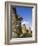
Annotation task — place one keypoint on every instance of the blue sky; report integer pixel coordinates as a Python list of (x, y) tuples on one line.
[(26, 13)]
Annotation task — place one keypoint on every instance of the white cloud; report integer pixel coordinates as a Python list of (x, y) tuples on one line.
[(26, 23)]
